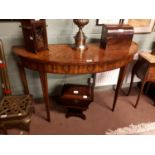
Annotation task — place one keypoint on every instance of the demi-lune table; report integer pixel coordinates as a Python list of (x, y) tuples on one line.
[(63, 59)]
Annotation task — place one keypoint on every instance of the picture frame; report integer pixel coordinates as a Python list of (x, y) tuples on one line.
[(108, 21), (10, 20), (141, 25)]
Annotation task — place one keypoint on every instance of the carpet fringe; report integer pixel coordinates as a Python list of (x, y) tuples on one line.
[(133, 129)]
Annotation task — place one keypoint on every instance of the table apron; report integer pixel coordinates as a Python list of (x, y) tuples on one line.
[(74, 68)]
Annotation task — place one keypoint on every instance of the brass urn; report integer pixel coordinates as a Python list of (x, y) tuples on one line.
[(80, 38)]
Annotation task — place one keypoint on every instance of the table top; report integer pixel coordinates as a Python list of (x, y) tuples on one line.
[(63, 59), (148, 56), (65, 54)]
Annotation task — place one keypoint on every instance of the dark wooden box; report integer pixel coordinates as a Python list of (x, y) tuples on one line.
[(35, 35), (76, 98), (117, 37)]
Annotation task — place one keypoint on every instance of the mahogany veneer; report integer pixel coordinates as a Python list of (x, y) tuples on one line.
[(76, 98), (63, 59)]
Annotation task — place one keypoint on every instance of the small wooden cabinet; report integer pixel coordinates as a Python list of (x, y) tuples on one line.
[(76, 98)]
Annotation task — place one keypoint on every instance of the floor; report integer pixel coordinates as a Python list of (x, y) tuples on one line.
[(99, 116)]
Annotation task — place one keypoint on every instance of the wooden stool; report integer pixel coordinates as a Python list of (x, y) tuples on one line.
[(15, 112), (145, 70)]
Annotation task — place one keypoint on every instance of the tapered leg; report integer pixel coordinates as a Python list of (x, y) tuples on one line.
[(119, 84), (43, 78), (140, 92), (132, 77), (94, 79), (23, 77), (134, 70)]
